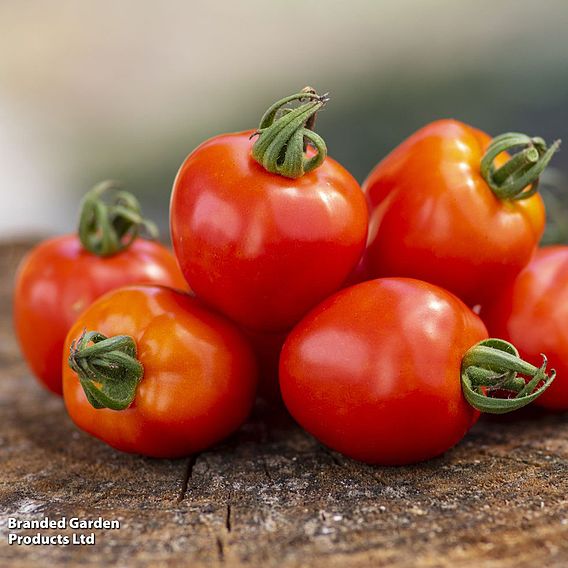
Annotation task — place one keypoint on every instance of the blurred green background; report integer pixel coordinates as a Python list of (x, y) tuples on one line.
[(98, 89)]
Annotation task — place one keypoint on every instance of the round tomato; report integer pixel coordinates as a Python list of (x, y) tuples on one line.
[(157, 373), (532, 312), (59, 278), (257, 241), (374, 371), (448, 206)]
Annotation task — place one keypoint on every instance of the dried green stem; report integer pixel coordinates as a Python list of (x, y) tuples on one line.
[(110, 225), (491, 366)]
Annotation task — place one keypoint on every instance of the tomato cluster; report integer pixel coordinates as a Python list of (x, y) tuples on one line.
[(367, 308)]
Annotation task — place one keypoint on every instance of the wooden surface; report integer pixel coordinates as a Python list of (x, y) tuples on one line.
[(272, 496)]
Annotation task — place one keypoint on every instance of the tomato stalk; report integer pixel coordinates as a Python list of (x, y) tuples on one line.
[(108, 369), (492, 365), (108, 228), (283, 135), (518, 178)]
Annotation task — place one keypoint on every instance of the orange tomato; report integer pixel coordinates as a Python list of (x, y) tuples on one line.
[(199, 374), (435, 216)]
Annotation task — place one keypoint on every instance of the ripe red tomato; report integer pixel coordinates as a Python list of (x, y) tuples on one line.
[(532, 312), (59, 278), (198, 375), (442, 213), (260, 247), (374, 371)]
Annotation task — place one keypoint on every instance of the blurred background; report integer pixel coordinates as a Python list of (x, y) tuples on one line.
[(104, 89)]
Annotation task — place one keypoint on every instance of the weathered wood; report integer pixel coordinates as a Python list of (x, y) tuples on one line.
[(272, 496)]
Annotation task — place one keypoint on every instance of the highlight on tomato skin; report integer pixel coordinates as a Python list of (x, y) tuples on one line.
[(450, 206), (182, 379), (263, 239), (532, 313), (394, 371), (60, 278)]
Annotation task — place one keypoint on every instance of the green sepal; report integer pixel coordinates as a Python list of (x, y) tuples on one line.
[(108, 370), (492, 366), (284, 133), (519, 177), (111, 220)]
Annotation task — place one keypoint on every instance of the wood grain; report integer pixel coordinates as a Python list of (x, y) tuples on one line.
[(272, 496)]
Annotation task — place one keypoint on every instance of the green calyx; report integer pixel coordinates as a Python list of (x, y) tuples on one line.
[(284, 133), (111, 219), (490, 367), (519, 177), (108, 369)]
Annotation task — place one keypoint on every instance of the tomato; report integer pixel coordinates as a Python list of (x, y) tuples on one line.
[(374, 371), (447, 207), (59, 278), (532, 312), (198, 373), (261, 247)]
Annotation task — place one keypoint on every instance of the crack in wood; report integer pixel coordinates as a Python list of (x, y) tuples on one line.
[(228, 518), (220, 550), (188, 475), (220, 538)]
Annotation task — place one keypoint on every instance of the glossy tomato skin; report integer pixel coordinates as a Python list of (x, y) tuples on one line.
[(199, 379), (532, 313), (374, 371), (433, 217), (259, 247), (58, 279)]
